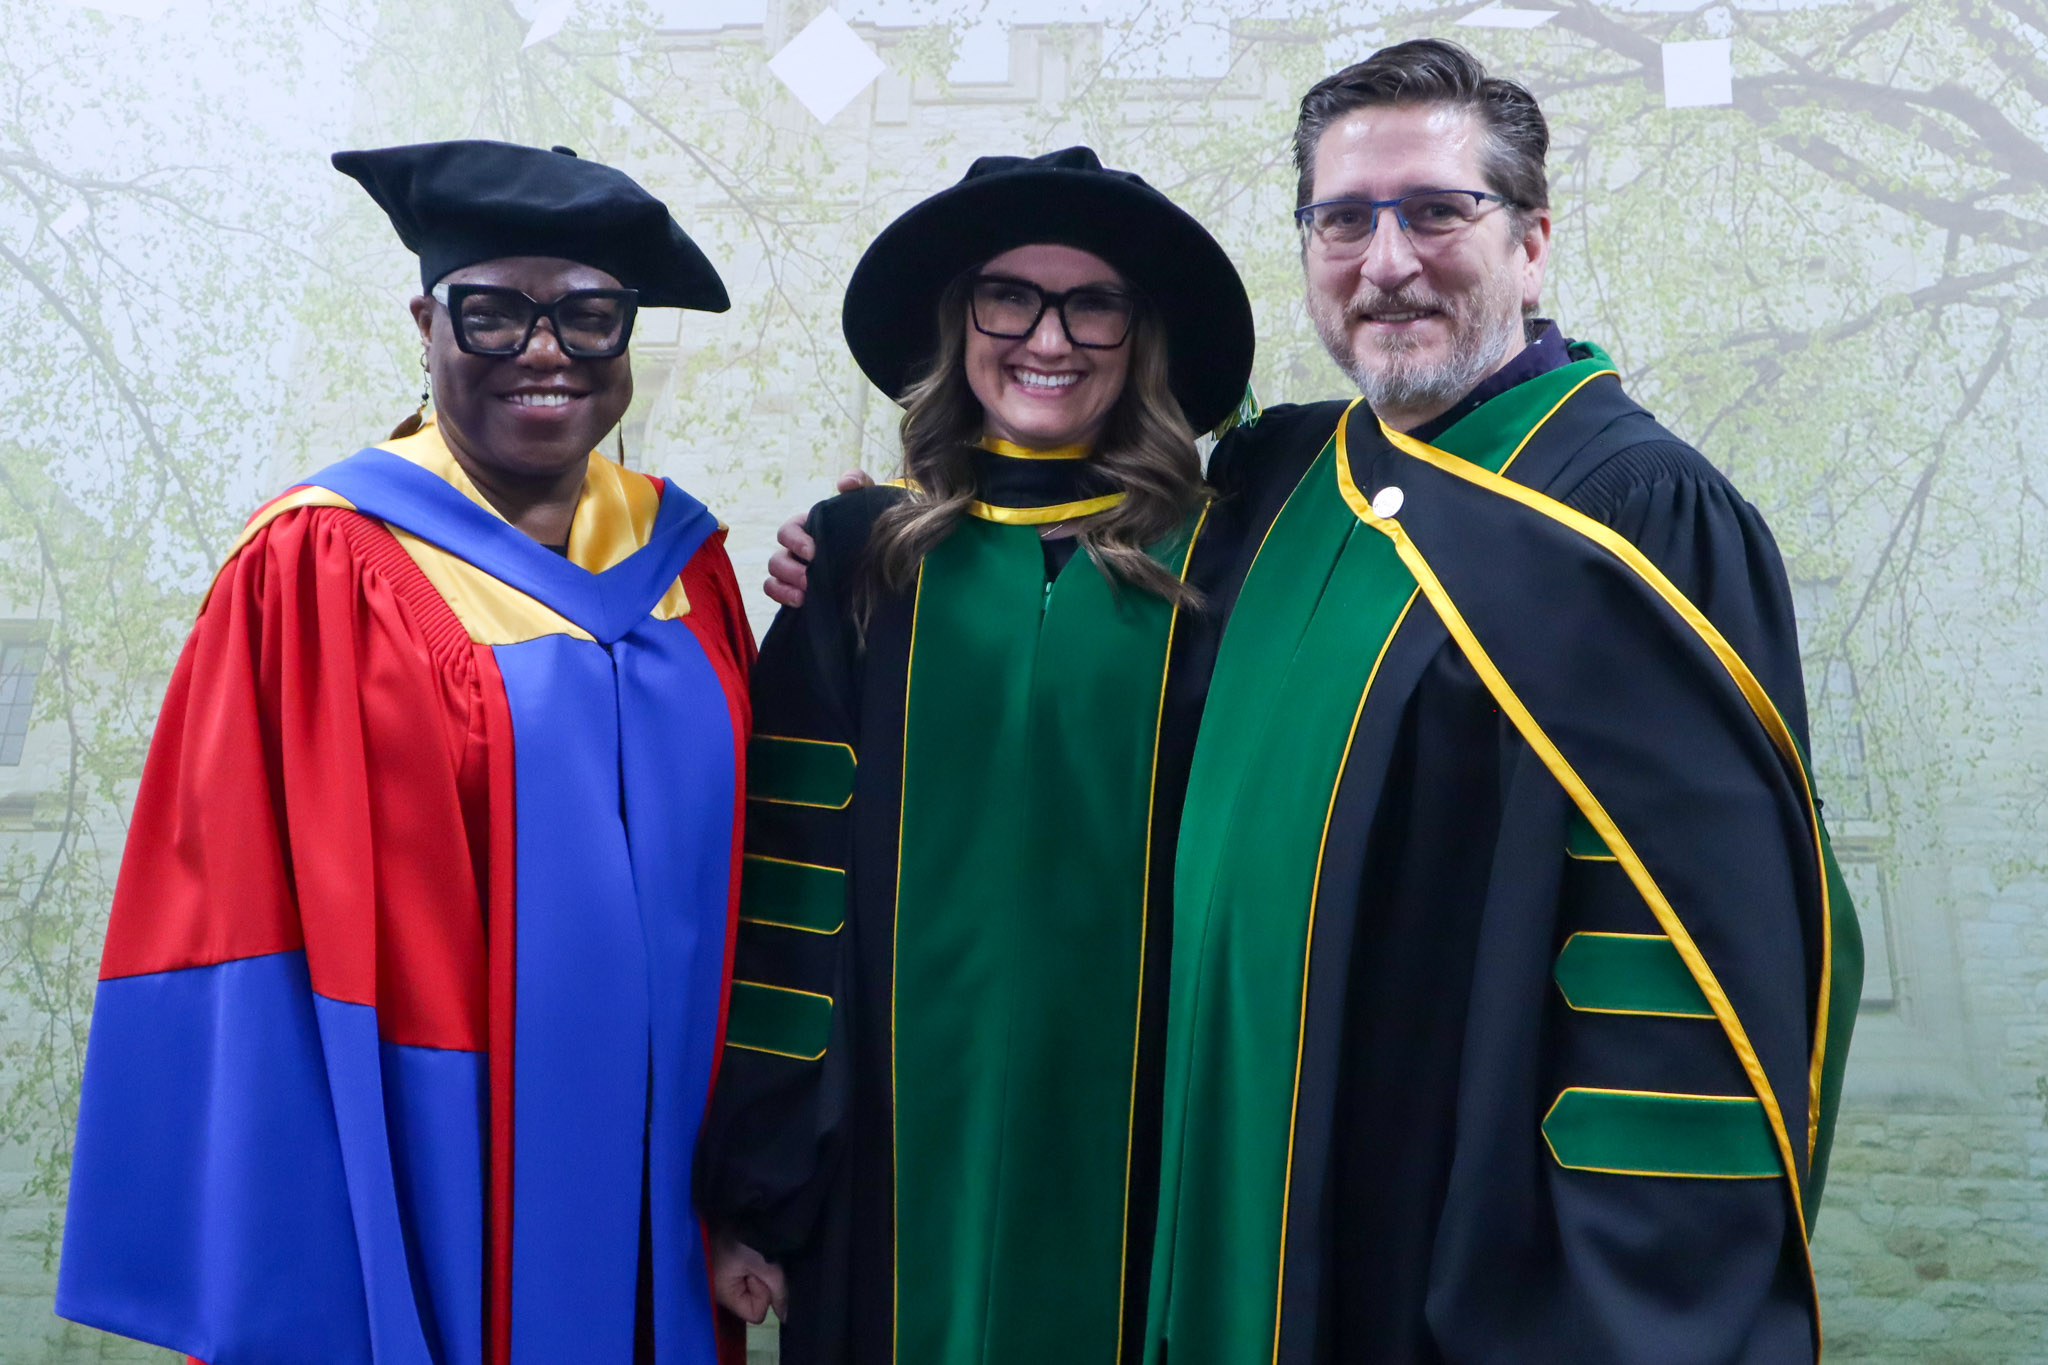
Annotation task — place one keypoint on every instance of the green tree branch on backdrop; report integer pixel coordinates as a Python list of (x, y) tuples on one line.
[(1836, 286)]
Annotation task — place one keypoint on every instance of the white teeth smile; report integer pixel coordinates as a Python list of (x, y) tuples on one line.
[(540, 400), (1046, 381)]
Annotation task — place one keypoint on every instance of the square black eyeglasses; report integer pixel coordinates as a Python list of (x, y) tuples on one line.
[(1427, 215), (1094, 317), (589, 324)]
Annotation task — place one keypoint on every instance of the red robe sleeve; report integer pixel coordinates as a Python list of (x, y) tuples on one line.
[(322, 656), (268, 888)]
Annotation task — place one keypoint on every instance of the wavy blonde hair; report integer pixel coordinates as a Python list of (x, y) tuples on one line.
[(1146, 451)]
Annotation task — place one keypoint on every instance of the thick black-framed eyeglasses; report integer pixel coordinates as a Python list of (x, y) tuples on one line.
[(490, 319), (1427, 216), (1094, 317)]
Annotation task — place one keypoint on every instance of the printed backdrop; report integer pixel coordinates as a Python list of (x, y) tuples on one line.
[(1814, 235)]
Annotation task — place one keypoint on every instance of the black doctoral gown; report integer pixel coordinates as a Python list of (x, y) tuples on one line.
[(1491, 1039)]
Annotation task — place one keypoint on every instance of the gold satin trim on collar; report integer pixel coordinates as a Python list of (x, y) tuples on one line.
[(290, 501), (1588, 805), (1760, 703), (1040, 516), (1010, 450), (615, 510), (1026, 516), (1437, 456), (492, 612), (1532, 732), (1360, 504), (614, 516), (1582, 796)]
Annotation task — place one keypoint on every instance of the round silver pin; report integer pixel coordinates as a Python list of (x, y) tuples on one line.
[(1387, 502)]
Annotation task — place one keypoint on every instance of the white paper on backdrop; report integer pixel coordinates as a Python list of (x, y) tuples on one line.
[(1493, 16), (826, 65), (548, 20), (1699, 74)]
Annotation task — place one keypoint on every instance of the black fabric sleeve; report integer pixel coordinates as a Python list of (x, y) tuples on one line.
[(1673, 1268), (777, 1122), (1460, 1235), (1690, 522)]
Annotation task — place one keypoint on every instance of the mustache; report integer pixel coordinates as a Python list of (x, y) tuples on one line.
[(1404, 301)]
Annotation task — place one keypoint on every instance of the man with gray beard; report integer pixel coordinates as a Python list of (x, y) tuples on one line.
[(1511, 976)]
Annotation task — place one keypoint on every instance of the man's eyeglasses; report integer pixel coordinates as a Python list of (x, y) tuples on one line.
[(1092, 316), (589, 324), (1344, 227)]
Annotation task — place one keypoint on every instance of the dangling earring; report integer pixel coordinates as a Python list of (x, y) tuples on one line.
[(412, 424), (622, 445)]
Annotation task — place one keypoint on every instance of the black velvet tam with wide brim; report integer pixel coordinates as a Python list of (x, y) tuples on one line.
[(459, 203), (1065, 198)]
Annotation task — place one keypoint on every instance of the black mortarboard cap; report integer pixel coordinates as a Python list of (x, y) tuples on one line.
[(458, 203)]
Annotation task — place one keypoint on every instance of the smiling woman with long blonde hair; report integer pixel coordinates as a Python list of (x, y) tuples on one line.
[(937, 1109)]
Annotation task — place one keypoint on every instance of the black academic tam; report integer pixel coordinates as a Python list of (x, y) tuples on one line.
[(1067, 198), (458, 203)]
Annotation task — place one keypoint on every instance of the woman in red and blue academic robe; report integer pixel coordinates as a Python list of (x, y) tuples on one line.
[(414, 984)]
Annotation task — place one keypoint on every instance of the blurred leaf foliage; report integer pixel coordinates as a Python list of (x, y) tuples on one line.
[(1836, 287), (141, 237)]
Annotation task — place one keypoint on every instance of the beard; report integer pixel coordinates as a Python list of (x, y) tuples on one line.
[(1394, 373)]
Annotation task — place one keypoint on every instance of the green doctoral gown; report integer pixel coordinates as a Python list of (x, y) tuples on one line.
[(938, 1102)]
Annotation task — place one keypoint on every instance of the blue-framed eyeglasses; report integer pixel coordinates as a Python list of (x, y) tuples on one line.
[(1345, 226)]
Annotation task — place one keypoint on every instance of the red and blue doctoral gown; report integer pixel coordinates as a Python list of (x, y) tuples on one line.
[(416, 972)]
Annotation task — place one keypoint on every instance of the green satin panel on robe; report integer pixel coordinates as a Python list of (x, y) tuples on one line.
[(1319, 605), (1845, 996), (1031, 734), (1321, 600)]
